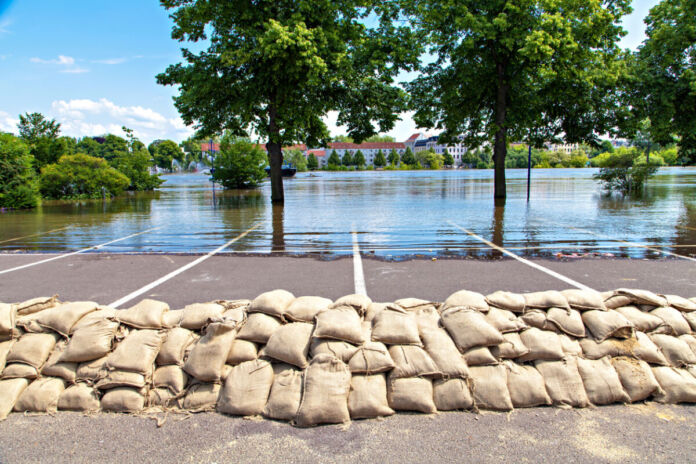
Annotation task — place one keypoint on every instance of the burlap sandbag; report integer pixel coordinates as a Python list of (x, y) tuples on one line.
[(427, 318), (689, 340), (444, 353), (636, 377), (415, 304), (584, 300), (40, 396), (20, 371), (162, 398), (242, 351), (246, 388), (4, 351), (411, 394), (259, 327), (677, 352), (602, 383), (539, 319), (673, 319), (526, 386), (80, 397), (641, 297), (29, 324), (691, 319), (341, 323), (359, 303), (342, 350), (172, 318), (469, 328), (374, 309), (286, 393), (542, 344), (10, 390), (201, 397), (92, 371), (173, 350), (32, 349), (36, 304), (147, 314), (682, 304), (368, 397), (324, 392), (605, 324), (504, 321), (645, 322), (273, 303), (198, 315), (8, 318), (208, 356), (290, 344), (137, 352), (55, 368), (480, 356), (123, 399), (104, 312), (452, 394), (506, 300), (568, 322), (115, 379), (511, 348), (489, 386), (563, 382), (466, 299), (640, 347), (676, 385), (91, 342), (395, 326), (241, 304), (570, 345), (305, 308), (62, 318), (411, 361), (545, 300), (172, 377), (371, 358)]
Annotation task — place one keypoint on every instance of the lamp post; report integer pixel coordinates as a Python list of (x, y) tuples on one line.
[(529, 170)]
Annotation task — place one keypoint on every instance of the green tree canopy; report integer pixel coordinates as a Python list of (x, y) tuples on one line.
[(18, 186), (347, 159), (276, 67), (297, 159), (380, 138), (81, 176), (312, 162), (408, 157), (359, 158), (380, 160), (164, 152), (532, 70), (447, 159), (33, 126), (393, 157), (342, 138), (239, 164), (334, 159)]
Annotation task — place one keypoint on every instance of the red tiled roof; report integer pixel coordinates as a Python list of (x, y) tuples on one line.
[(317, 152), (367, 146), (206, 146), (216, 146), (413, 137)]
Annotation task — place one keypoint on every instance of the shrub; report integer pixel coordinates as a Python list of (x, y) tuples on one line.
[(81, 176), (625, 170), (18, 188), (297, 159), (312, 162), (239, 164), (136, 166)]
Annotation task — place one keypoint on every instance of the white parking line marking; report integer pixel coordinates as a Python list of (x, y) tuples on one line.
[(34, 235), (524, 261), (182, 269), (358, 274), (96, 247)]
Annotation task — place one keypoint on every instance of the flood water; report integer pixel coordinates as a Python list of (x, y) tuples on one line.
[(395, 214)]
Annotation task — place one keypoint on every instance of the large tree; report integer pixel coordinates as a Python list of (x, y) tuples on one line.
[(33, 126), (274, 68), (534, 70)]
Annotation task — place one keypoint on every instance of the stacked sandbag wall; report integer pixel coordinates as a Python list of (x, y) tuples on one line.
[(310, 360)]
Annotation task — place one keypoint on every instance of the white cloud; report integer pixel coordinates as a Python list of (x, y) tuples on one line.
[(110, 61), (62, 60), (75, 70), (402, 130), (8, 123)]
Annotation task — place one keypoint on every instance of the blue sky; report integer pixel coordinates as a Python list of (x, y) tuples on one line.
[(92, 66)]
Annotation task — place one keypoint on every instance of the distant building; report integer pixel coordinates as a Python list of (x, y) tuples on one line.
[(320, 155), (457, 150), (411, 141), (368, 149), (567, 148)]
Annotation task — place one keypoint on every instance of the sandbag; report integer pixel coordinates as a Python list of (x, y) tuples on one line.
[(645, 322), (411, 394), (162, 398), (480, 356), (359, 303), (258, 328), (305, 308), (325, 392), (682, 304), (172, 318), (584, 300), (36, 304), (40, 396), (395, 326), (636, 377), (342, 350), (506, 300), (415, 304), (198, 315), (20, 371), (208, 356), (4, 351), (452, 394), (341, 323), (290, 344), (27, 324), (605, 324), (545, 300), (137, 352), (371, 358), (442, 350), (676, 385), (102, 313), (691, 319), (8, 318), (171, 377), (10, 390), (568, 322), (489, 386), (373, 309), (147, 314), (469, 328), (241, 351), (641, 347), (201, 397), (91, 342), (641, 297), (542, 344), (62, 318), (689, 340), (55, 368), (273, 303), (427, 318), (368, 397), (563, 382), (123, 400), (91, 371), (173, 350), (570, 345), (80, 397), (677, 352), (511, 348), (115, 379), (526, 386), (286, 393), (32, 349), (246, 388), (539, 319), (466, 299), (673, 319), (411, 361), (504, 321), (602, 383)]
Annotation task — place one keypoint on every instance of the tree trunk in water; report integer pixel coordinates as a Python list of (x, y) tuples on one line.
[(275, 158), (500, 146)]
